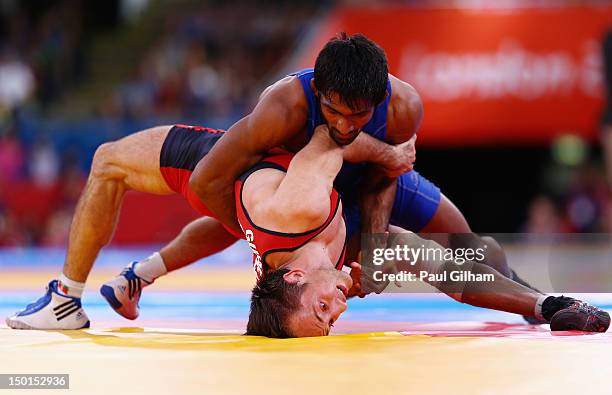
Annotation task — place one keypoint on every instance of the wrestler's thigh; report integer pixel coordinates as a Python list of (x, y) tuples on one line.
[(135, 160)]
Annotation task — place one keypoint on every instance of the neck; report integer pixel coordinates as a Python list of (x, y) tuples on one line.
[(312, 256)]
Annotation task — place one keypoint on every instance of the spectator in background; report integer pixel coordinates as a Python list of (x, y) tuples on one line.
[(582, 204), (11, 156), (44, 164), (73, 178), (17, 82), (606, 217), (56, 54), (12, 232), (204, 63), (586, 200), (208, 61), (57, 228), (543, 217)]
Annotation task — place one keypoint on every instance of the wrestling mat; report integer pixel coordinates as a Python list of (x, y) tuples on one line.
[(188, 341)]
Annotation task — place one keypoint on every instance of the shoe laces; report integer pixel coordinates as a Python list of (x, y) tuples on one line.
[(29, 306), (134, 282)]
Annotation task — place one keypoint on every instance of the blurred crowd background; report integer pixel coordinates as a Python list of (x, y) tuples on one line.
[(74, 74)]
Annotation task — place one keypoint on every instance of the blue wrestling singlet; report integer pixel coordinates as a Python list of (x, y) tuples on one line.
[(416, 199)]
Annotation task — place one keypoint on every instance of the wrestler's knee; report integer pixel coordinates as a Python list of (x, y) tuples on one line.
[(495, 256), (104, 165), (491, 243)]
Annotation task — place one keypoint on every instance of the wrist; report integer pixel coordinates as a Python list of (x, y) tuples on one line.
[(388, 157)]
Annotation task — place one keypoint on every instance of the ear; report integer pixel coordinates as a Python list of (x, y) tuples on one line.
[(295, 276), (313, 87)]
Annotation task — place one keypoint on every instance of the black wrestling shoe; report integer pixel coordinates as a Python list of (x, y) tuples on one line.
[(580, 316), (534, 321)]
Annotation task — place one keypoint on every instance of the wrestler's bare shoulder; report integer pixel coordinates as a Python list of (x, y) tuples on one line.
[(405, 110), (287, 96), (287, 91)]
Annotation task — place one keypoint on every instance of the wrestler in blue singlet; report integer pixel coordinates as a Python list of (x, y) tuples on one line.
[(416, 199)]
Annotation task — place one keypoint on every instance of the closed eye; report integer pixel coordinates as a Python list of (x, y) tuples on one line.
[(332, 110)]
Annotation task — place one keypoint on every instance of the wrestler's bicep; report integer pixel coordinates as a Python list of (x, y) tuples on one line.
[(246, 142)]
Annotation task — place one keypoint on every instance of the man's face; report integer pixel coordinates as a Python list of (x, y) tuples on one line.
[(344, 122), (322, 302)]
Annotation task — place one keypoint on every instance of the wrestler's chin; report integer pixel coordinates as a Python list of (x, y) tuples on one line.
[(343, 140)]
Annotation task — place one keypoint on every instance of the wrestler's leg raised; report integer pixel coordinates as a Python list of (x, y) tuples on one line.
[(131, 163)]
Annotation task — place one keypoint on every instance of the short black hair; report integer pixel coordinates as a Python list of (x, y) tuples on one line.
[(354, 67), (272, 301)]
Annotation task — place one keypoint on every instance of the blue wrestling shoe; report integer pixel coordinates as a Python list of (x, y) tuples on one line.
[(123, 292), (52, 311)]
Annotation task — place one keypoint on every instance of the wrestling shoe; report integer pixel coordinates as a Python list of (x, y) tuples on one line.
[(123, 292), (52, 311), (580, 316)]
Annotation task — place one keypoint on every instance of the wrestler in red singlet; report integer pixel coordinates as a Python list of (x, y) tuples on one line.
[(182, 150)]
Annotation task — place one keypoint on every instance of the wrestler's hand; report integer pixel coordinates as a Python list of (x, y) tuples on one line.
[(363, 282), (402, 158), (370, 280), (368, 284), (356, 276)]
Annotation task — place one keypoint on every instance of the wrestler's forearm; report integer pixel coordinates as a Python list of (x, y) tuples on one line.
[(366, 148), (376, 201)]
